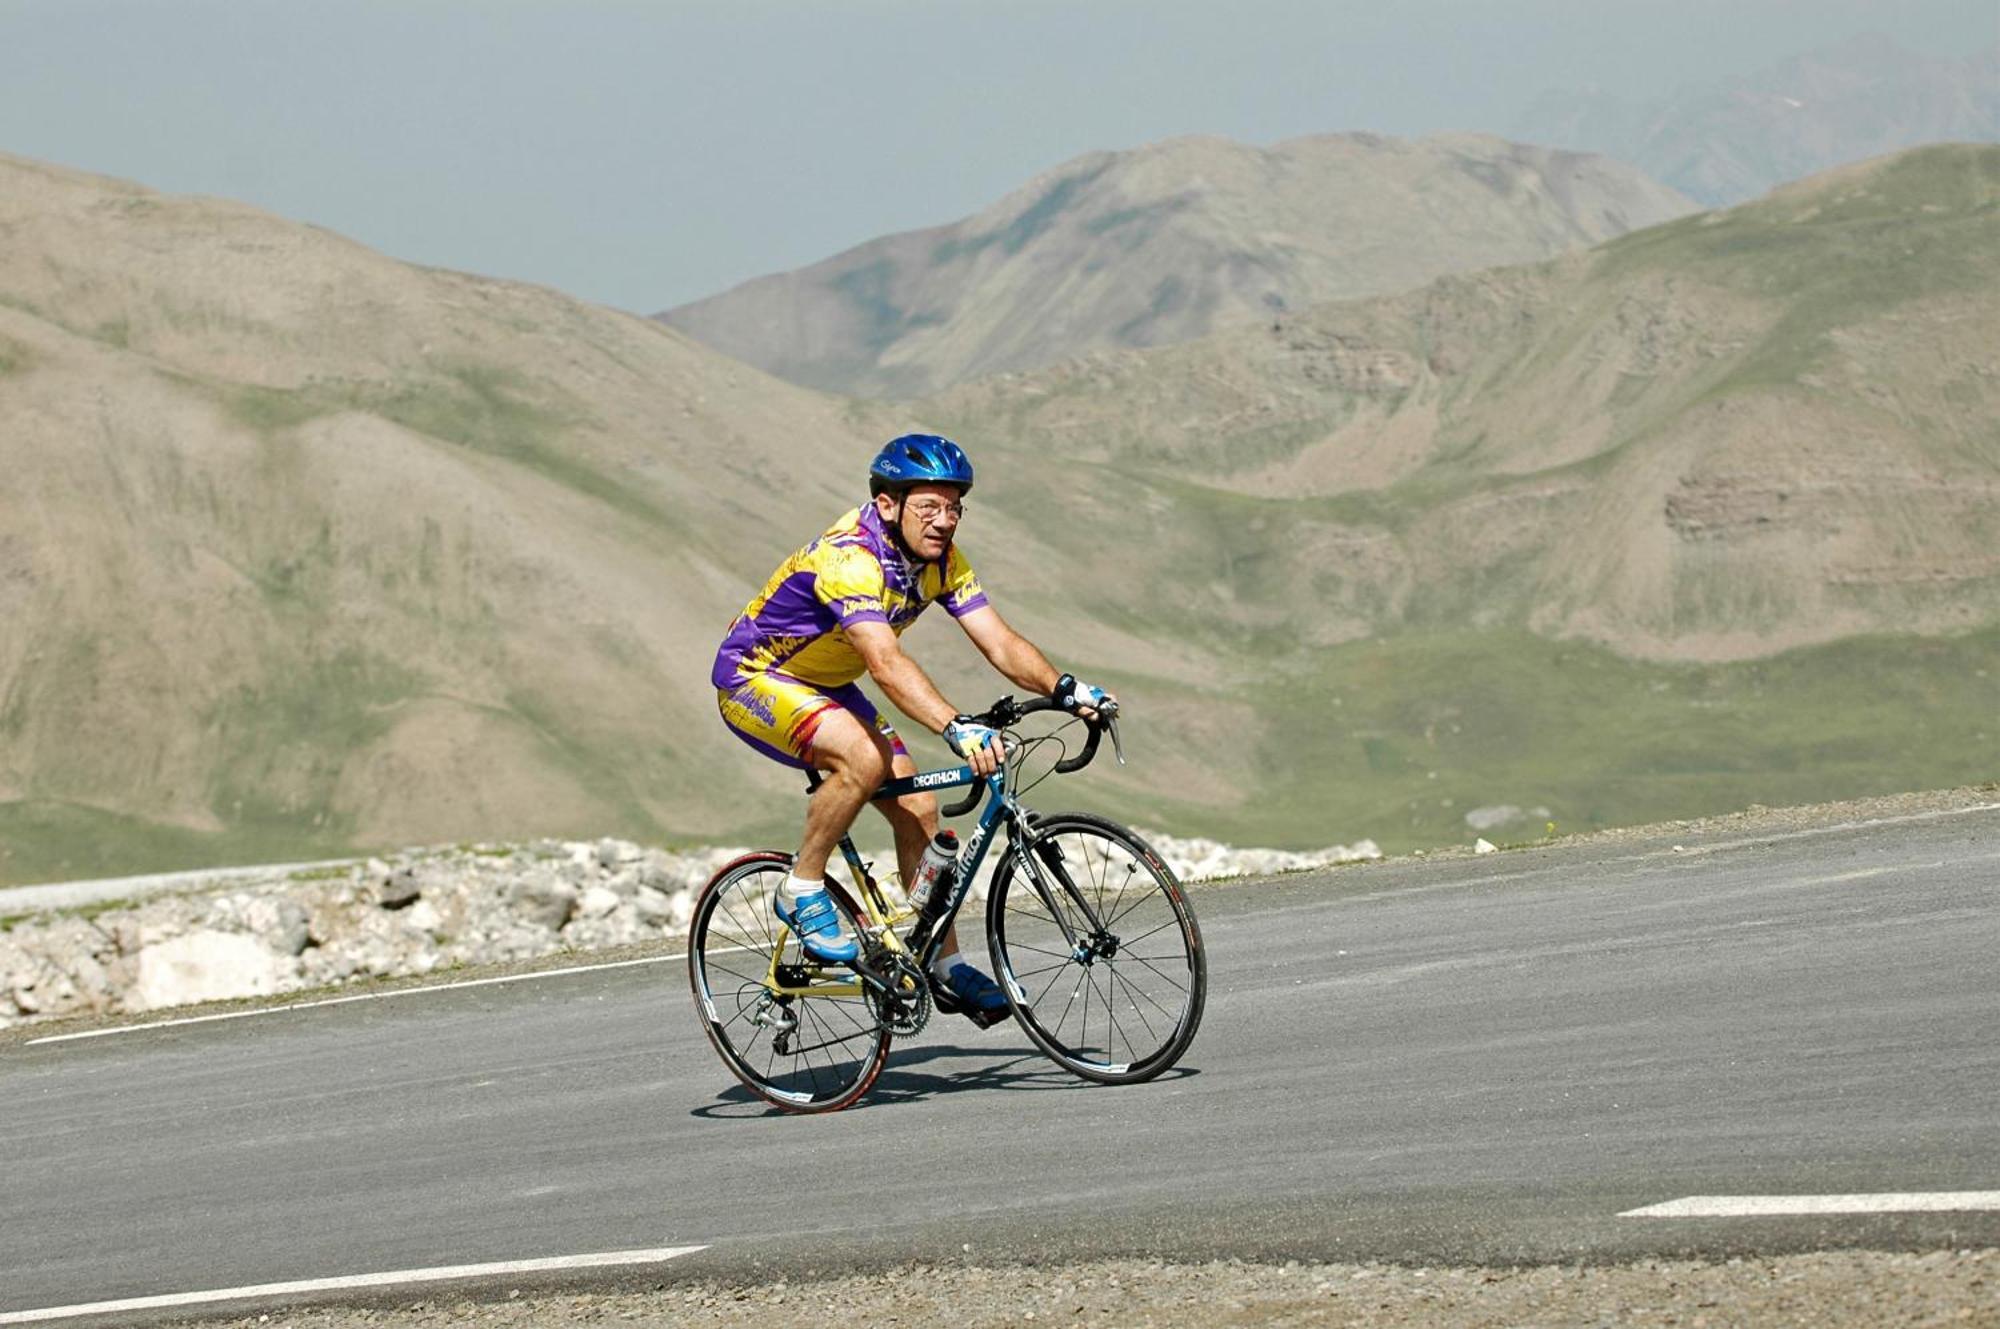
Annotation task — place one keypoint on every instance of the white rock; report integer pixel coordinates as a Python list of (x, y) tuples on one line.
[(1484, 846), (202, 966), (597, 902), (1201, 859), (423, 917)]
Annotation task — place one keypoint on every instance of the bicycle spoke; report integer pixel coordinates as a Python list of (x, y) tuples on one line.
[(1067, 1006), (1158, 1005), (1153, 931), (1088, 989), (1036, 1001), (1064, 956), (1150, 1031), (1139, 900), (1165, 977), (1112, 1029), (1043, 969), (753, 978)]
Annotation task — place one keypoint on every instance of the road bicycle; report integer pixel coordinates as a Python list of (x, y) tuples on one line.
[(1091, 938)]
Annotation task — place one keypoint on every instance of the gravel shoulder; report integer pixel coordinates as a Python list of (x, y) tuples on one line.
[(1955, 1288)]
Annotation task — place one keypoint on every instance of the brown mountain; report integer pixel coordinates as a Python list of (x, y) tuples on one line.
[(302, 547), (1164, 244)]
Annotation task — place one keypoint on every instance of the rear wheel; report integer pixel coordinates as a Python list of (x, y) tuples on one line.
[(1098, 950), (798, 1034)]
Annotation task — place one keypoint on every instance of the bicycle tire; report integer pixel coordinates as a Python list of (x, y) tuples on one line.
[(731, 940), (1156, 967)]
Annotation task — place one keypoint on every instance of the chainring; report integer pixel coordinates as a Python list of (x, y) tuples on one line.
[(909, 1009)]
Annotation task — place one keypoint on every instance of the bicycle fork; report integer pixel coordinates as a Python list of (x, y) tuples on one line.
[(1098, 944)]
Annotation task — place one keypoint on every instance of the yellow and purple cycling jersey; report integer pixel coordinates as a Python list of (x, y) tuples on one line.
[(787, 657)]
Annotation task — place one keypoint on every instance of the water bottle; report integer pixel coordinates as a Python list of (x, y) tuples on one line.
[(937, 868)]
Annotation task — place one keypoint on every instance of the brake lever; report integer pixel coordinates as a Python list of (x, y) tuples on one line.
[(1117, 744)]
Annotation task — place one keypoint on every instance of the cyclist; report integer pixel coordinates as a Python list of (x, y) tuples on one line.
[(785, 679)]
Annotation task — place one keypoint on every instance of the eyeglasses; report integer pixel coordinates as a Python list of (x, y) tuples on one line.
[(928, 510)]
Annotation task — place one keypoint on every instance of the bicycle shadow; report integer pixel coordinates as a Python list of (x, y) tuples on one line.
[(901, 1082)]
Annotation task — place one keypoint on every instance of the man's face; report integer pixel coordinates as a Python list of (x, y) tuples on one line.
[(930, 516)]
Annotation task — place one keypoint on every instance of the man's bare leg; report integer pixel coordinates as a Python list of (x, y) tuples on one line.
[(914, 819), (855, 759)]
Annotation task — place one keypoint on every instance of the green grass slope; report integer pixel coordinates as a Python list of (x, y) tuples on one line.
[(1165, 243)]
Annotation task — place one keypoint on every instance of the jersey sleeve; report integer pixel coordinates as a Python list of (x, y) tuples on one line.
[(849, 582), (962, 593)]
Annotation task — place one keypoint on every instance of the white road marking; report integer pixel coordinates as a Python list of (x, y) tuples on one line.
[(1752, 1206), (441, 1273), (1864, 874), (364, 996)]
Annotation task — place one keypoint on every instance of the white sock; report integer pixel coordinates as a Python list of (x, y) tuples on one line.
[(942, 965), (796, 886)]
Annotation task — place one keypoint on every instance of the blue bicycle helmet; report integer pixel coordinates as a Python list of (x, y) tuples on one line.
[(916, 459)]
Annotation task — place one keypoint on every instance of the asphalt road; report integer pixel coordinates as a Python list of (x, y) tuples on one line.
[(1476, 1060)]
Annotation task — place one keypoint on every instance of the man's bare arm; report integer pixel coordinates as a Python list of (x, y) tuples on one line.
[(1019, 659), (900, 677), (913, 693)]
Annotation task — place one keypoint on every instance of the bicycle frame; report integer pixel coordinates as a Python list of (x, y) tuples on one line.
[(924, 942)]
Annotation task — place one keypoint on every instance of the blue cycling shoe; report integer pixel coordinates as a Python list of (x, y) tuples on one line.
[(817, 924), (972, 994)]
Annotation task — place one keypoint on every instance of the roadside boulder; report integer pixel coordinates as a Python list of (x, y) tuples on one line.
[(597, 902), (400, 889), (545, 901), (204, 966)]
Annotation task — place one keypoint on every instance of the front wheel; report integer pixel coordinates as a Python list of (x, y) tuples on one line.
[(1097, 949), (799, 1034)]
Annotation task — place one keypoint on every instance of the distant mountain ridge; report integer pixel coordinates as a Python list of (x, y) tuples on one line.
[(1164, 244), (1731, 140), (1730, 435), (303, 550)]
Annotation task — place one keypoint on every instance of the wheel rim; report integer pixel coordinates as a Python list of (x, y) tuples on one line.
[(1120, 1001), (805, 1053)]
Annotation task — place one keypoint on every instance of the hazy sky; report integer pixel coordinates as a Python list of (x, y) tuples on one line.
[(643, 154)]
